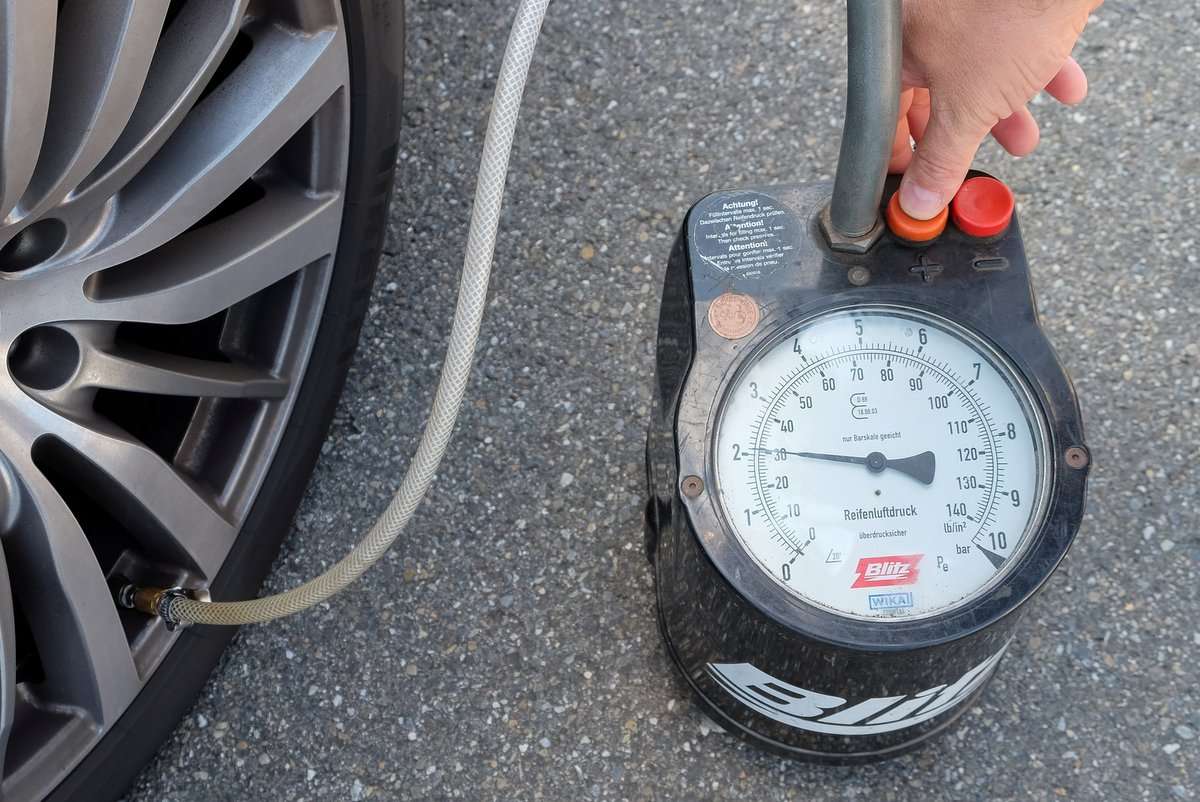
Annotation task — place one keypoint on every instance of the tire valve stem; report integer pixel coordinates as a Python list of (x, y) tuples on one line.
[(154, 602)]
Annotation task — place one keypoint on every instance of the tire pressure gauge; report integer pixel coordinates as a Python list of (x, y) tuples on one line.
[(861, 467), (907, 492)]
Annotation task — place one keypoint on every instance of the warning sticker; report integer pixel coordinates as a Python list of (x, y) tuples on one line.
[(745, 235)]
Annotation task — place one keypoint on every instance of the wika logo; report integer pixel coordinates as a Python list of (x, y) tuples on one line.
[(879, 572), (834, 715)]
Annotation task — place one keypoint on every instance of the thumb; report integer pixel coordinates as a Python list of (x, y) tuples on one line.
[(939, 165)]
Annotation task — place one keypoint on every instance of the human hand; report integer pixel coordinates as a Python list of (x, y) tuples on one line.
[(970, 67)]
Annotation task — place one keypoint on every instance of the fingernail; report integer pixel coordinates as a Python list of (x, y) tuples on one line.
[(919, 202)]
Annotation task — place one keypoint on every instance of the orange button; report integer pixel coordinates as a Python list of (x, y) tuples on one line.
[(983, 207), (912, 229)]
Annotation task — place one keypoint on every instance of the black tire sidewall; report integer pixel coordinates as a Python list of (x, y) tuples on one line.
[(375, 38)]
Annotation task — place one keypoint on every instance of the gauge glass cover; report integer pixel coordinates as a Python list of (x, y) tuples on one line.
[(882, 463)]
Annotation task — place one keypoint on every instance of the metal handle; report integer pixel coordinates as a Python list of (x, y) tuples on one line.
[(872, 105)]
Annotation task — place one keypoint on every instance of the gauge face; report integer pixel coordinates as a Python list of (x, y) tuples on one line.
[(882, 463)]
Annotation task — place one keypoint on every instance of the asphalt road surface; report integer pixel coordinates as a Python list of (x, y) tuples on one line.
[(508, 649)]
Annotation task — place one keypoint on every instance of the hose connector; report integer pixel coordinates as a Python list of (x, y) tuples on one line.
[(154, 602)]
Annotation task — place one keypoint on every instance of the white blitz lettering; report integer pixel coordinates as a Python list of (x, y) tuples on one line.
[(881, 571), (819, 712)]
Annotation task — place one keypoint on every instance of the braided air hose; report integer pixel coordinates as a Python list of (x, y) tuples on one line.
[(460, 354)]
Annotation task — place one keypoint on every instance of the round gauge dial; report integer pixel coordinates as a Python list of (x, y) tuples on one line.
[(882, 462)]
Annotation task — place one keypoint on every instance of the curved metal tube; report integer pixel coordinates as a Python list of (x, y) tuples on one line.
[(872, 106)]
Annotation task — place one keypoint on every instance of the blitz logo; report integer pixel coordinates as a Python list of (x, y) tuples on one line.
[(881, 572), (834, 715)]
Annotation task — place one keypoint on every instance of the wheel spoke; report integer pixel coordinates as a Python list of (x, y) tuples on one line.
[(212, 268), (136, 369), (8, 657), (186, 525), (27, 50), (282, 83), (101, 60), (66, 598), (195, 275), (186, 58)]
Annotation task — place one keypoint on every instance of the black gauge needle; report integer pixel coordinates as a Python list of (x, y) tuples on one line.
[(920, 466)]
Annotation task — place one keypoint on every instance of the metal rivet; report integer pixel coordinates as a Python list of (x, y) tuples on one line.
[(692, 486), (859, 276), (1077, 457)]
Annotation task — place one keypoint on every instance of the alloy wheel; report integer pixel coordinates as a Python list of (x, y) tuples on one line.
[(171, 191)]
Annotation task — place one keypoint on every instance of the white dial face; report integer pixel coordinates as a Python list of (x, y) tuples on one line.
[(881, 462)]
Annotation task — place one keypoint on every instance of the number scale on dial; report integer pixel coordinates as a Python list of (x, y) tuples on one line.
[(881, 462)]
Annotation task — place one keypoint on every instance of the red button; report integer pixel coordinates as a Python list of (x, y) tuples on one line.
[(983, 207)]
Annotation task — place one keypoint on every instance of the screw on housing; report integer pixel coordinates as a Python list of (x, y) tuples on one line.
[(858, 276), (1078, 458)]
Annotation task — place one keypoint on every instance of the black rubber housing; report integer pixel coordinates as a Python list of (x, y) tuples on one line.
[(375, 31), (715, 605)]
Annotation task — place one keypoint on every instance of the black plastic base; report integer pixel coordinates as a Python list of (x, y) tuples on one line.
[(715, 712)]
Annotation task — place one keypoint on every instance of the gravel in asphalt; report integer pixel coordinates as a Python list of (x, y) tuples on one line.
[(507, 649)]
